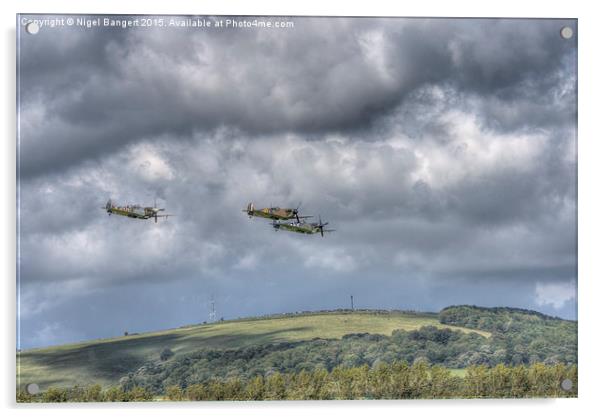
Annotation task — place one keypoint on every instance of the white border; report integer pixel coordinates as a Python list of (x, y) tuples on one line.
[(590, 209)]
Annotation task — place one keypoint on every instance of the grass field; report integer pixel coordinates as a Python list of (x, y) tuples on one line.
[(104, 361)]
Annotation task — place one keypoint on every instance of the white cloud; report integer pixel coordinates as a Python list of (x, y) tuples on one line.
[(148, 163), (374, 47), (556, 294)]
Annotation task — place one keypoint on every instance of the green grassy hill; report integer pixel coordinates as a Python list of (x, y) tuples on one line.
[(106, 361)]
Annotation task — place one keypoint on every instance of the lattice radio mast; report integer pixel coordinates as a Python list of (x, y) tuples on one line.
[(212, 315)]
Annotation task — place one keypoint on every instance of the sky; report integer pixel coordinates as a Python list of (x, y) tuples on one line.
[(443, 152)]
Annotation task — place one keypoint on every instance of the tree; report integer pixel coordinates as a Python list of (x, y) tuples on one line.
[(174, 393), (255, 389), (275, 387), (55, 395), (166, 354)]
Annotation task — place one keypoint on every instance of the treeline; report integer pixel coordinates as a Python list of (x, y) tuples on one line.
[(435, 346), (338, 311), (93, 393), (498, 319), (384, 381), (520, 336)]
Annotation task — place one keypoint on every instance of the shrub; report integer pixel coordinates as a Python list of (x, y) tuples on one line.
[(166, 354)]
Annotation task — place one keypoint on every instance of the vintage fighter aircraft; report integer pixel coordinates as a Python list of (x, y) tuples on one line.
[(135, 211), (275, 213), (302, 227)]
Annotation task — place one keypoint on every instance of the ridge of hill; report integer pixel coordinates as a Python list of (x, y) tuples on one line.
[(105, 360)]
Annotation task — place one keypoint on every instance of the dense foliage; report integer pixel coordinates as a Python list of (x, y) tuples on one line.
[(395, 381), (520, 336), (92, 393), (429, 344)]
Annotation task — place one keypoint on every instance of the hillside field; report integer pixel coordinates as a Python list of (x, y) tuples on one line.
[(105, 361)]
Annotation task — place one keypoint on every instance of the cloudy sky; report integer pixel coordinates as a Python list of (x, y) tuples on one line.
[(442, 151)]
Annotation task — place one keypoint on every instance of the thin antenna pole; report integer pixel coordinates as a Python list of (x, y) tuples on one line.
[(352, 302)]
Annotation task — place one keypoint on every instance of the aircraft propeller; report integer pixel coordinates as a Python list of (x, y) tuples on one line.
[(296, 212), (157, 210), (249, 210), (108, 206), (321, 225)]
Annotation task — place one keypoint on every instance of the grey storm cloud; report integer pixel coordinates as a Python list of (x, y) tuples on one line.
[(340, 74), (443, 152)]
